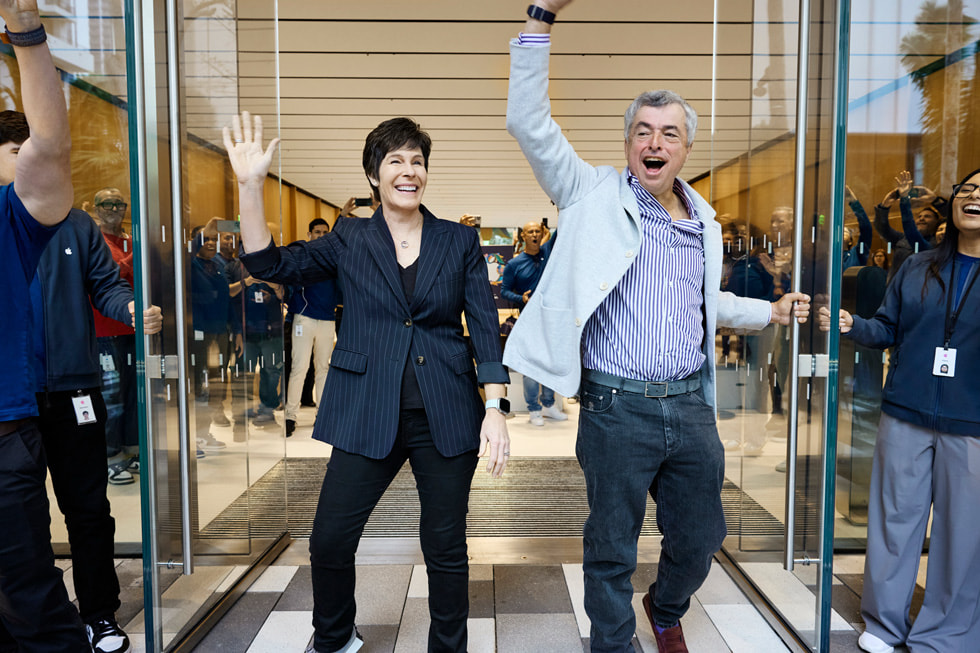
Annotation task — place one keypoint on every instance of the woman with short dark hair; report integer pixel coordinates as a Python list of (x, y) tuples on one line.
[(402, 384), (928, 446)]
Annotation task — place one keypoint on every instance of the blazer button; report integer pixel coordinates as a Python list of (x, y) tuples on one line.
[(408, 322), (420, 360)]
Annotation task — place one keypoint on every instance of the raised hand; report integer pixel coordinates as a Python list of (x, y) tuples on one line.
[(903, 183), (20, 15), (849, 195), (244, 144), (554, 6)]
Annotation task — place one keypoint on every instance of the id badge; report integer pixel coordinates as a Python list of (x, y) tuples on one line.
[(945, 363), (258, 297), (299, 330), (84, 413), (198, 335), (108, 363)]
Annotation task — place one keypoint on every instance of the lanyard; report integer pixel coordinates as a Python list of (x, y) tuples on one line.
[(951, 319)]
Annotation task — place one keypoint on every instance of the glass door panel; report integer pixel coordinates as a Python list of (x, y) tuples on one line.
[(88, 46), (774, 202), (214, 435)]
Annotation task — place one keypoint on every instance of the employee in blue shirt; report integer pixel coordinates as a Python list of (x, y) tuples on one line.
[(34, 608), (521, 276)]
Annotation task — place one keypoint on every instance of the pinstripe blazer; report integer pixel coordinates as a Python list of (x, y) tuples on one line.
[(360, 405)]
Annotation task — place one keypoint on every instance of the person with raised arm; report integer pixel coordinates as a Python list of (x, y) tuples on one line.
[(619, 317), (35, 197), (402, 382)]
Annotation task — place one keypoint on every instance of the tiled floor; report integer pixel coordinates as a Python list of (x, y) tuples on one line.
[(532, 605)]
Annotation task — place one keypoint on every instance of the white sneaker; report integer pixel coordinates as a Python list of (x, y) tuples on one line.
[(554, 412), (535, 418), (210, 443), (872, 644)]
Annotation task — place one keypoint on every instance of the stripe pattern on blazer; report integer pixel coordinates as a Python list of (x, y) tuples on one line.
[(359, 409)]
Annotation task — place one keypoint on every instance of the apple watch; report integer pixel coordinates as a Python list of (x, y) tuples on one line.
[(502, 405)]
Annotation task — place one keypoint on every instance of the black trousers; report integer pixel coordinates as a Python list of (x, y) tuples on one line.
[(352, 487), (34, 607), (76, 459)]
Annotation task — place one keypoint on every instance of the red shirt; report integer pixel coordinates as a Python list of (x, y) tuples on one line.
[(122, 253)]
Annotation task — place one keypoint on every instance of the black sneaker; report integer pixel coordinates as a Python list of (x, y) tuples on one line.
[(106, 636), (290, 427)]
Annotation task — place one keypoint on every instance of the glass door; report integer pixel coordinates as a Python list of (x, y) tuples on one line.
[(777, 388), (214, 444)]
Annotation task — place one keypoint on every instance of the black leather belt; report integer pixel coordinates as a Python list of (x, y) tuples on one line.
[(652, 389), (6, 428)]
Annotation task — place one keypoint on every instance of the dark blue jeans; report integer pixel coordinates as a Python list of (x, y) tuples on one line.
[(119, 392), (351, 489), (629, 445)]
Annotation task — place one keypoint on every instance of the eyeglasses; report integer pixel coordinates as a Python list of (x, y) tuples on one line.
[(112, 206), (964, 190)]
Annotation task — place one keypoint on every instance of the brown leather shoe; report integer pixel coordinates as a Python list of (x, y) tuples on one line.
[(670, 640)]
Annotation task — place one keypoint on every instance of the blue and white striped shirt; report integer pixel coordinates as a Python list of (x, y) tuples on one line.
[(651, 325)]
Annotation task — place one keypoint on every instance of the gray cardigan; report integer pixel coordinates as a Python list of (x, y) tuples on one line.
[(598, 223)]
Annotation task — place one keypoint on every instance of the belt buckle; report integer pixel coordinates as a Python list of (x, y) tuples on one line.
[(660, 390)]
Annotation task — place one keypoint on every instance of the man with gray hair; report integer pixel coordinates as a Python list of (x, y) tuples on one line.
[(625, 316)]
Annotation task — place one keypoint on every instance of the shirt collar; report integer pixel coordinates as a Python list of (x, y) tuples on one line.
[(643, 196)]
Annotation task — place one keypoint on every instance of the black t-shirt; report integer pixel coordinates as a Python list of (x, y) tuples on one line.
[(411, 394)]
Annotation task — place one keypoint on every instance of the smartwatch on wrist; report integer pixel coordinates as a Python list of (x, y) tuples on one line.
[(538, 13), (502, 405)]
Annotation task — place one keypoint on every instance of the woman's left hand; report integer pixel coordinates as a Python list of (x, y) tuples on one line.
[(244, 144), (496, 442)]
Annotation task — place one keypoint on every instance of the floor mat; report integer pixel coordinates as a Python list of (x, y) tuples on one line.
[(538, 497)]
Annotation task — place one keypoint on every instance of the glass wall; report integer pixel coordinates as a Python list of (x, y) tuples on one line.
[(217, 444), (195, 447), (912, 106)]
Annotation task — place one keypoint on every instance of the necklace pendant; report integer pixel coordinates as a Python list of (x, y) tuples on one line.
[(404, 244)]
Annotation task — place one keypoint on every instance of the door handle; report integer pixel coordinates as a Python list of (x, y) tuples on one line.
[(802, 114)]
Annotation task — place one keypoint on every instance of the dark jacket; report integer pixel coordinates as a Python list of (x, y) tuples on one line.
[(211, 309), (359, 411), (914, 326), (76, 266)]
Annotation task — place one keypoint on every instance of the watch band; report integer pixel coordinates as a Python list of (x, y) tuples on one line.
[(537, 13), (25, 39), (501, 405)]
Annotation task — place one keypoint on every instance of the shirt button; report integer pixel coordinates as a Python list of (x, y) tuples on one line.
[(603, 286), (408, 322), (629, 253), (420, 360), (578, 322)]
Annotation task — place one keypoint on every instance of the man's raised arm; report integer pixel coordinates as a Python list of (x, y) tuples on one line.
[(43, 179)]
